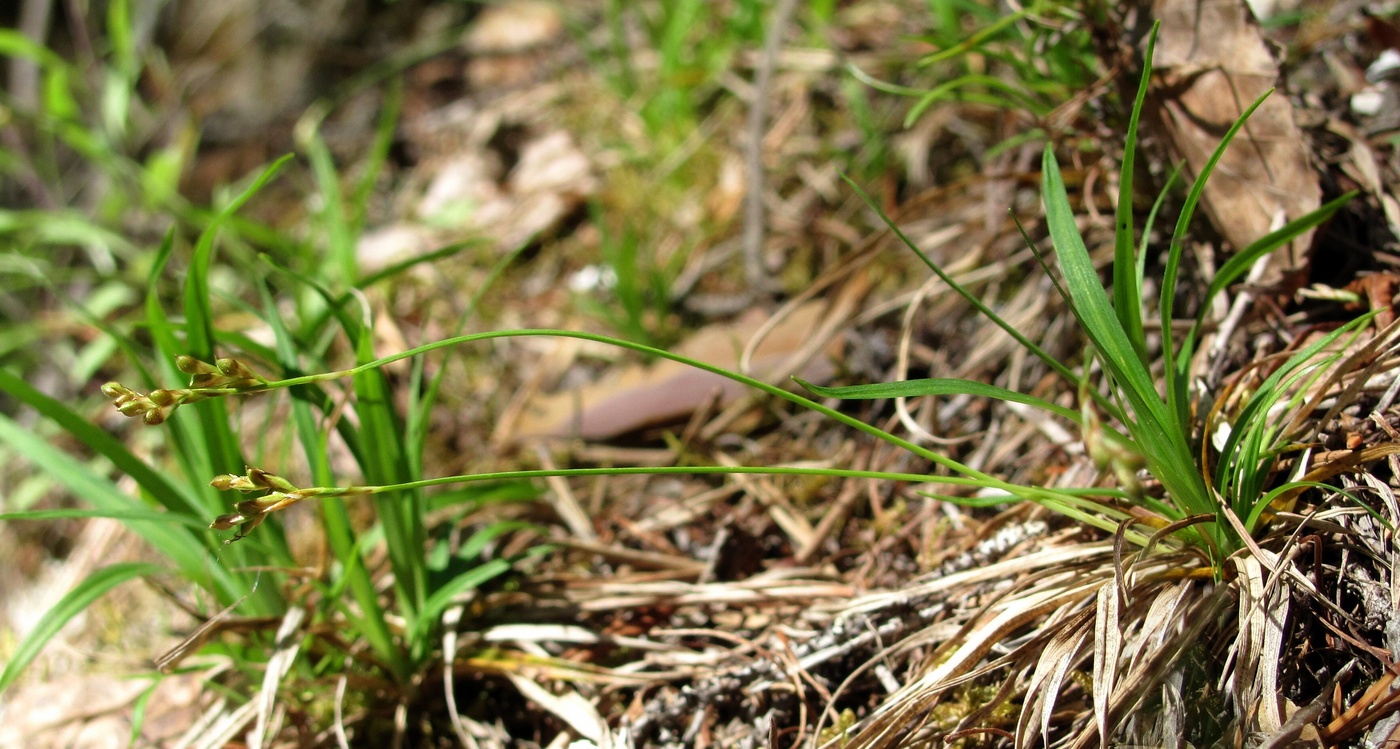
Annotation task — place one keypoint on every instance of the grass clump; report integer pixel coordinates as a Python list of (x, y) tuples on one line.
[(1190, 526)]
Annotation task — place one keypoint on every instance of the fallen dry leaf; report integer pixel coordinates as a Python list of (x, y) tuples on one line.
[(1213, 63), (1379, 292), (638, 396)]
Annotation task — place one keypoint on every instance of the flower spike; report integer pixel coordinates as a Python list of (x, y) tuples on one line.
[(225, 377)]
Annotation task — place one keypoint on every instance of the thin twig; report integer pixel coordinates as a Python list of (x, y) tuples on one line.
[(758, 117)]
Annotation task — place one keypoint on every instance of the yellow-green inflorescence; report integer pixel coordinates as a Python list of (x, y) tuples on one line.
[(224, 377), (281, 493)]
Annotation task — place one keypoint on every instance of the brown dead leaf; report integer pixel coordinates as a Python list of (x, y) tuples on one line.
[(1213, 64), (644, 395), (1378, 289)]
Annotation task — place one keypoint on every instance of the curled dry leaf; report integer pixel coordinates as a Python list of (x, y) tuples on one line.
[(1213, 64)]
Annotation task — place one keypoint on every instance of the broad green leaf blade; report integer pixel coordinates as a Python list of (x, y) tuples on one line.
[(73, 603), (937, 386), (1157, 434)]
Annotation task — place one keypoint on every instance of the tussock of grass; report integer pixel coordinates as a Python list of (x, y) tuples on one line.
[(848, 587)]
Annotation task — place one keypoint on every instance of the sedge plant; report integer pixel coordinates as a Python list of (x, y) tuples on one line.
[(1213, 505), (173, 499)]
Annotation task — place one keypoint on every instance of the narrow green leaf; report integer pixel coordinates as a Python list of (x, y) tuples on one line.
[(1242, 261), (372, 166), (961, 290), (191, 451), (369, 620), (975, 40), (1177, 362), (1151, 222), (1239, 474), (400, 512), (138, 711), (224, 451), (73, 603), (160, 488), (472, 578), (1188, 209), (15, 44), (183, 547), (1158, 435), (937, 386), (150, 516), (334, 223), (1127, 299)]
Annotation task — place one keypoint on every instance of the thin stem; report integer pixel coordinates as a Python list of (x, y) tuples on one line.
[(660, 470), (982, 479)]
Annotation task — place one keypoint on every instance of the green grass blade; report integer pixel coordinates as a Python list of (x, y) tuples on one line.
[(1127, 297), (1014, 99), (369, 621), (971, 298), (1088, 300), (1240, 262), (381, 430), (334, 224), (164, 491), (1177, 362), (149, 516), (187, 549), (472, 578), (224, 452), (975, 40), (1159, 436), (1188, 209), (1151, 222), (397, 269), (937, 386), (199, 328), (73, 603), (202, 437), (336, 308), (1239, 467), (420, 414), (138, 713), (191, 452), (373, 164)]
